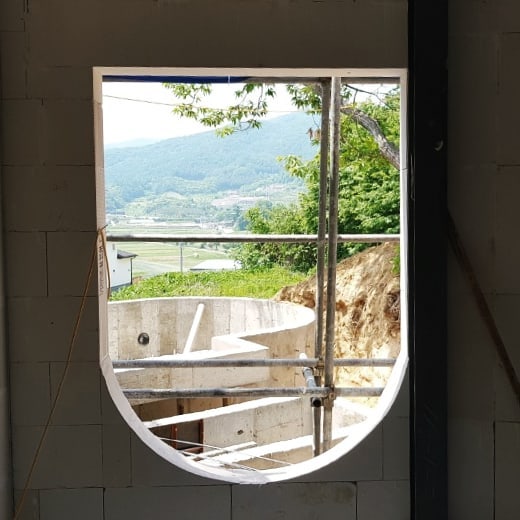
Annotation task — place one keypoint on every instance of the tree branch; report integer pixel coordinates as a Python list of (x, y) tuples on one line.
[(388, 150)]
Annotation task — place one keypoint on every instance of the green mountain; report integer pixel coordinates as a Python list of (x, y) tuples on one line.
[(205, 165)]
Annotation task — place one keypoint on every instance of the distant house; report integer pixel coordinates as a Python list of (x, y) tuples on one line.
[(120, 266), (217, 265)]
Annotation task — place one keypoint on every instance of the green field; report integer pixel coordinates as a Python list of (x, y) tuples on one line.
[(155, 258)]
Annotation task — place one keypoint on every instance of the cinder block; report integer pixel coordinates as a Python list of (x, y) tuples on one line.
[(401, 406), (70, 131), (383, 500), (50, 331), (61, 198), (168, 22), (72, 83), (364, 462), (290, 500), (13, 65), (473, 17), (508, 16), (388, 19), (12, 16), (69, 457), (79, 401), (64, 504), (109, 412), (472, 199), (508, 101), (507, 464), (71, 256), (396, 448), (506, 401), (196, 502), (470, 352), (116, 456), (473, 131), (30, 393), (6, 492), (470, 467), (149, 469), (27, 507), (25, 142), (507, 212), (26, 264), (93, 41), (506, 309)]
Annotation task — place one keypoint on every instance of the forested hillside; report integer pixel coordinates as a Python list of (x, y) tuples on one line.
[(203, 164)]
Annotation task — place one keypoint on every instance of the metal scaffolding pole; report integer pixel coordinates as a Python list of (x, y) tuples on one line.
[(247, 362), (320, 253), (322, 217), (332, 255), (297, 391), (372, 238)]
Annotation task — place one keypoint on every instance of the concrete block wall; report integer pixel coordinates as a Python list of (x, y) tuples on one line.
[(483, 187), (91, 466)]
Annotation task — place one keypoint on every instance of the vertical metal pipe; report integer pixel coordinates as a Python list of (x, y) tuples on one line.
[(332, 254), (321, 242), (322, 215)]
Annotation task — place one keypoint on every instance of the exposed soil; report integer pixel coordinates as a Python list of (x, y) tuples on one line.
[(367, 312)]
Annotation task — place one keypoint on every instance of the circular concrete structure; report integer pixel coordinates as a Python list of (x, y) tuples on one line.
[(259, 440)]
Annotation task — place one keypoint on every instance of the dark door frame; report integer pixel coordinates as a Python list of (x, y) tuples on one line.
[(427, 113)]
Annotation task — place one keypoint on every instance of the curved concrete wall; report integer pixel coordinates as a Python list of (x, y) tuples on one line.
[(243, 325), (286, 328), (228, 327)]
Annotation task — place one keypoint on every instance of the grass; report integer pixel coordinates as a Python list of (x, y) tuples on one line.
[(240, 283)]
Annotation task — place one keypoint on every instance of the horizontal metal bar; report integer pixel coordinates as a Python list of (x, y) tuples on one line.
[(239, 362), (229, 238), (393, 80), (160, 393)]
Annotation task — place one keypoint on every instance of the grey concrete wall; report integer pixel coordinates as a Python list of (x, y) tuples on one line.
[(484, 183), (91, 466), (168, 322)]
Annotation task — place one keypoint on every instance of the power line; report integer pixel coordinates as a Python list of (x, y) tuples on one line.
[(173, 105)]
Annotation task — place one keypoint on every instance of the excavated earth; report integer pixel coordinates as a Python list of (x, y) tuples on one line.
[(367, 312)]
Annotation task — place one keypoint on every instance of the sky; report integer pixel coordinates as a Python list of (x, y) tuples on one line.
[(135, 111)]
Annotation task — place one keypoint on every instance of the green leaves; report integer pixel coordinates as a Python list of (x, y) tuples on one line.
[(369, 193), (369, 184), (250, 107)]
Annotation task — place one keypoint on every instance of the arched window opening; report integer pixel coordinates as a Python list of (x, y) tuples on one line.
[(256, 390)]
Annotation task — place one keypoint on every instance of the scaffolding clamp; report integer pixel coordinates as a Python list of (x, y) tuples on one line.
[(331, 396)]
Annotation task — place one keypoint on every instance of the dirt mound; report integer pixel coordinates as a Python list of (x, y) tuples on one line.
[(367, 311)]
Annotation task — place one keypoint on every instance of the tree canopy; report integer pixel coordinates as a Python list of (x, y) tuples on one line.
[(369, 160)]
